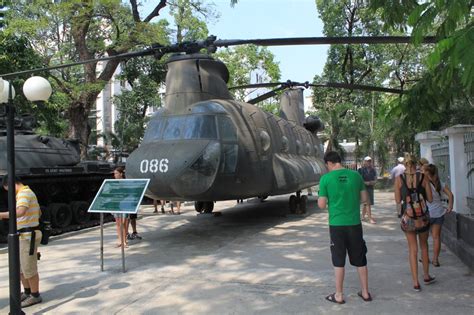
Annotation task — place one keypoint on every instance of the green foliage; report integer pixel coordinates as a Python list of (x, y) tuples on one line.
[(68, 31), (247, 61), (448, 78), (144, 75), (190, 19)]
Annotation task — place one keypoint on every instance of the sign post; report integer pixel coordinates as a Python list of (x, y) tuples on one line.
[(120, 196)]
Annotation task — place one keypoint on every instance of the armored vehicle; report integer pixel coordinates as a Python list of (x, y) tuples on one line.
[(51, 166)]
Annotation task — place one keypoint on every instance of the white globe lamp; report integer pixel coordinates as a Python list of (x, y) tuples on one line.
[(37, 89), (4, 91)]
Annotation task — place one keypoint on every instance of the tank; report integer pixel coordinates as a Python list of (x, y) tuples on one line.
[(65, 185)]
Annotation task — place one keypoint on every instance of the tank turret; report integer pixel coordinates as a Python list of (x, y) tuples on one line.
[(51, 166)]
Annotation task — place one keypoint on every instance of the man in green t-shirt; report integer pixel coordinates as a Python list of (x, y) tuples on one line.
[(344, 190)]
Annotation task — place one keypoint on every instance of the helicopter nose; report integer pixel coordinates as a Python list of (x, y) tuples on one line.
[(199, 177), (185, 168)]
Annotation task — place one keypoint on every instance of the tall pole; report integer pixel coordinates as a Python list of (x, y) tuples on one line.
[(13, 237)]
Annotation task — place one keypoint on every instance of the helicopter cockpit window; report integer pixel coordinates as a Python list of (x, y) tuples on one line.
[(226, 129), (208, 107), (189, 127), (200, 127), (173, 127), (153, 130)]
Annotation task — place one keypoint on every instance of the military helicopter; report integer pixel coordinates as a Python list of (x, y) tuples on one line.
[(205, 146)]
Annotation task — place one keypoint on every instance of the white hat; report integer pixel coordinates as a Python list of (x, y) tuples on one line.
[(367, 158), (400, 159)]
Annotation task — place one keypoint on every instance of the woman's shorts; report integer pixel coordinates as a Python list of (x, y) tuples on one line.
[(120, 215), (439, 220)]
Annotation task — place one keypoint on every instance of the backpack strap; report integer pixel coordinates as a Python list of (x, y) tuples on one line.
[(409, 191)]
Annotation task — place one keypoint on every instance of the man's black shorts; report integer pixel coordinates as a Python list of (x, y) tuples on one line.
[(348, 239), (133, 215)]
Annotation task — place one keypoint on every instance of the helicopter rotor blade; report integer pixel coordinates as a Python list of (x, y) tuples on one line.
[(212, 43), (336, 85), (266, 95), (256, 85), (323, 41), (361, 87)]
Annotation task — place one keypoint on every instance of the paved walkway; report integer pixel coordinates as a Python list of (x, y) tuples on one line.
[(252, 259)]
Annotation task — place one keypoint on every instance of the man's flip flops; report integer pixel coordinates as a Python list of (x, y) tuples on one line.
[(369, 299), (332, 298)]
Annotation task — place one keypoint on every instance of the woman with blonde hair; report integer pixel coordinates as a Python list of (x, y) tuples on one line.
[(412, 191), (437, 209)]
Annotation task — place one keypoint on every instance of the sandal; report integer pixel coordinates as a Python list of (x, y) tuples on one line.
[(332, 298), (436, 263), (369, 299)]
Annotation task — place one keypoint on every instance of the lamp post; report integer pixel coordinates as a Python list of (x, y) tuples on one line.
[(35, 89)]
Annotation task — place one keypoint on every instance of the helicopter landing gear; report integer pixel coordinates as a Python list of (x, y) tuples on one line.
[(298, 201), (208, 206), (204, 206), (262, 198), (198, 206)]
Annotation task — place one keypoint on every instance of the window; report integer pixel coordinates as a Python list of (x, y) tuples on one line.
[(200, 127), (226, 129), (153, 131)]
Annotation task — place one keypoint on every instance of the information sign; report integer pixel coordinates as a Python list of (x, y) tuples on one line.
[(119, 196)]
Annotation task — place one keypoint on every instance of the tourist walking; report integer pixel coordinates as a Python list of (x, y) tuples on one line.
[(343, 190), (412, 191), (369, 175), (437, 209)]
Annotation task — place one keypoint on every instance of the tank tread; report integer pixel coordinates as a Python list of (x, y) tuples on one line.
[(77, 227)]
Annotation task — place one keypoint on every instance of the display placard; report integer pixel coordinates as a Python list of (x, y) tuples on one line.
[(119, 196)]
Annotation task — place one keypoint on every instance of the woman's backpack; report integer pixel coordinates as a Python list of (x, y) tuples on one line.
[(415, 215)]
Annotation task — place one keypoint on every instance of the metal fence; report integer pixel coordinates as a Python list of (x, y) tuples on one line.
[(469, 150), (440, 154)]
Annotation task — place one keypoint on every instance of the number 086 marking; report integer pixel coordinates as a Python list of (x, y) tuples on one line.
[(154, 166)]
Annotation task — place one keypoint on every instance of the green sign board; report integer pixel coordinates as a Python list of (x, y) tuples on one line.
[(119, 196)]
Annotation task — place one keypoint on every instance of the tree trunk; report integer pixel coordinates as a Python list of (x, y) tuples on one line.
[(79, 126)]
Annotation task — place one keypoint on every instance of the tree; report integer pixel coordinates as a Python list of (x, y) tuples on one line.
[(145, 75), (372, 120), (80, 30), (445, 87), (249, 64), (345, 111)]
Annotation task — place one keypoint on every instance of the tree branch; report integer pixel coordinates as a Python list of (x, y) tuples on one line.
[(156, 11), (136, 14)]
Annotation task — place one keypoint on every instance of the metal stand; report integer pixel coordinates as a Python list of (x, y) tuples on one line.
[(13, 236), (101, 241), (122, 231)]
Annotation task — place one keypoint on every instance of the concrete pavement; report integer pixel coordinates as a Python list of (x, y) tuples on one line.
[(253, 259)]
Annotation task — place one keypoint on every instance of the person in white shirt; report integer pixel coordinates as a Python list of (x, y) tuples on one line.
[(398, 170)]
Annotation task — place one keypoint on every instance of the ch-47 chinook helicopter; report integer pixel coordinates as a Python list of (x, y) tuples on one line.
[(205, 146)]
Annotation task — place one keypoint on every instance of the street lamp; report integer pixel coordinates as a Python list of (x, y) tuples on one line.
[(35, 89)]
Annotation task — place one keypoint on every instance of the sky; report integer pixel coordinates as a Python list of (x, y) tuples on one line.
[(258, 19)]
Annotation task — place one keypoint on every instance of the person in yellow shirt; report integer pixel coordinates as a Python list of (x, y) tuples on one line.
[(28, 213)]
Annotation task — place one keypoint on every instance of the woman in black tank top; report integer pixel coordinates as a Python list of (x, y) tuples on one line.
[(415, 180)]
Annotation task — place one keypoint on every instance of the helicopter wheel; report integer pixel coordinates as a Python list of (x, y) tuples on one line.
[(303, 201), (208, 206), (199, 206), (293, 204)]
